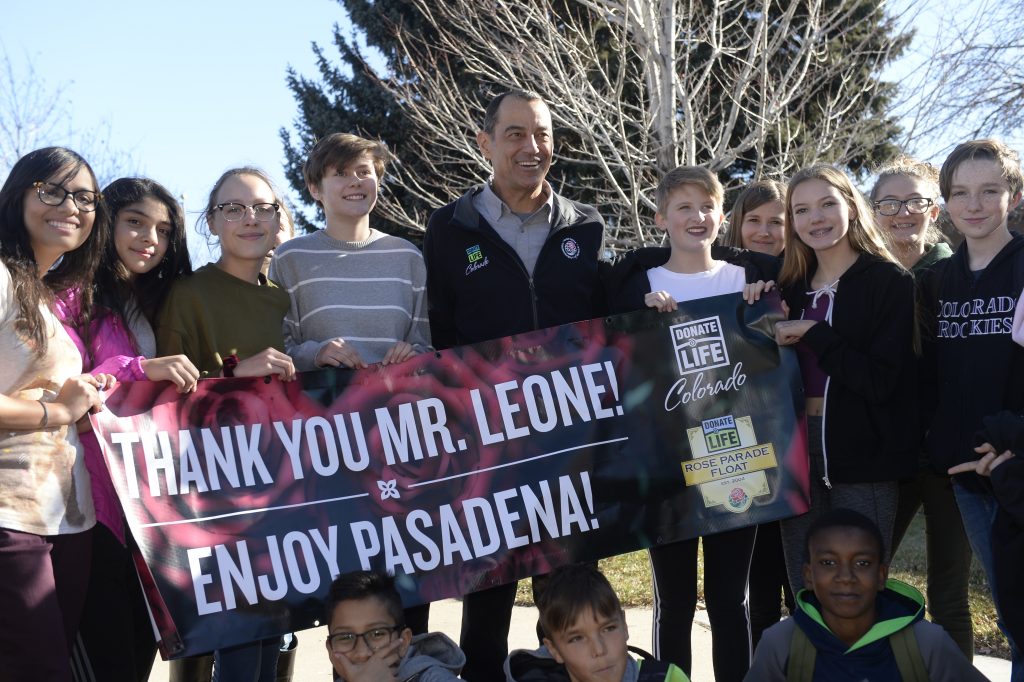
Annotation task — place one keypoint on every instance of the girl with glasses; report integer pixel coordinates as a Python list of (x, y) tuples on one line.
[(145, 254), (227, 319), (46, 511), (904, 197), (851, 318)]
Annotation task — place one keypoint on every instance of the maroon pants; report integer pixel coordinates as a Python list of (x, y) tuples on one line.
[(43, 582)]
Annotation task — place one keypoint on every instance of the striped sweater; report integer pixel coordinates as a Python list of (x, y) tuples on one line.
[(372, 294)]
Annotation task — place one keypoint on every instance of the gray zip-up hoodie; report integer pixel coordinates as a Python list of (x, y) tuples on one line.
[(431, 657)]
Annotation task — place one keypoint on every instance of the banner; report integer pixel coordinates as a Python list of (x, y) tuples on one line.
[(457, 470)]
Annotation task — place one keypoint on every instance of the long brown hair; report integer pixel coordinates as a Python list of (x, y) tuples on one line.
[(753, 196), (115, 289), (75, 268)]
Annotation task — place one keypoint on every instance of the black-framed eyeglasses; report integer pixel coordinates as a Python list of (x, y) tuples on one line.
[(233, 212), (52, 194), (345, 642), (894, 206)]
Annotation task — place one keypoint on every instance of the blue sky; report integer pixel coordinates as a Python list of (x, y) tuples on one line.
[(192, 88), (189, 88)]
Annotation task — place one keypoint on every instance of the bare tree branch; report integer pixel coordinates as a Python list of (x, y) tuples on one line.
[(972, 82), (34, 115), (640, 86)]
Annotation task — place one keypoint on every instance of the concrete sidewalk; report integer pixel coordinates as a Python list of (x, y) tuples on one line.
[(312, 664)]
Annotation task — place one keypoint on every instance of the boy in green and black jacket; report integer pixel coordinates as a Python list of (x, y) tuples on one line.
[(852, 623)]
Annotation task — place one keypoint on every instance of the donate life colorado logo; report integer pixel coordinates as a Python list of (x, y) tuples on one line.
[(700, 346), (476, 259)]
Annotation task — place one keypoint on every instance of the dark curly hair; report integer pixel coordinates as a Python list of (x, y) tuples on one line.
[(114, 288)]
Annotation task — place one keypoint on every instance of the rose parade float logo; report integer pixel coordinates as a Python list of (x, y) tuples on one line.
[(738, 499), (728, 463)]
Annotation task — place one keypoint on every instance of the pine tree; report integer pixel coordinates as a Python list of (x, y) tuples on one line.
[(750, 87)]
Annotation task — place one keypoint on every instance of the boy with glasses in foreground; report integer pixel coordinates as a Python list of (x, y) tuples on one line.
[(368, 641)]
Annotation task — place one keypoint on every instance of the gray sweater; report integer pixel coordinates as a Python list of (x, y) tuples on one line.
[(372, 294)]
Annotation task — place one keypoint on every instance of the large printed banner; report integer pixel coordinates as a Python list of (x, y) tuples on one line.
[(456, 470)]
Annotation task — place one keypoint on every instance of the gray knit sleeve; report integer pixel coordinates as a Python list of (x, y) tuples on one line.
[(419, 326), (302, 352)]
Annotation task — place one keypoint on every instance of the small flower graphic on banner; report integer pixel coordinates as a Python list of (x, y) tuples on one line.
[(388, 489)]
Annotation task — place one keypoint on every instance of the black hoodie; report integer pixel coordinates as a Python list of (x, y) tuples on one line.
[(979, 369), (871, 427), (1005, 431), (478, 288)]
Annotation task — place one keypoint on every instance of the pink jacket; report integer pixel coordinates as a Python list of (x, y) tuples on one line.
[(111, 351)]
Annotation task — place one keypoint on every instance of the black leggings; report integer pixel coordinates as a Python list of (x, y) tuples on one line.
[(768, 579), (726, 567), (115, 639)]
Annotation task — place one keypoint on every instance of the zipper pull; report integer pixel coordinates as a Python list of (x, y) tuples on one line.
[(828, 484)]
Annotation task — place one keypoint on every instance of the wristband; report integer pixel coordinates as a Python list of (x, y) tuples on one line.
[(46, 414), (230, 362)]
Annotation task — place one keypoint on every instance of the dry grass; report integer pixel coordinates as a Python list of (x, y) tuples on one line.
[(909, 566), (630, 575)]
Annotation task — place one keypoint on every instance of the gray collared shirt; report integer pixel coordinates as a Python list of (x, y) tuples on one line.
[(526, 234)]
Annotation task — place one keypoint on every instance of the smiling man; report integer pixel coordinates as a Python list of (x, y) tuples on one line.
[(511, 255), (507, 257)]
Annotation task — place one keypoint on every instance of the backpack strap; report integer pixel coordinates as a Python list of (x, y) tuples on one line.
[(908, 655), (801, 657), (652, 670)]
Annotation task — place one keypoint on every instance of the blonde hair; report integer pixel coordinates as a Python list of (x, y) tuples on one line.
[(864, 236), (753, 196), (908, 167), (689, 175)]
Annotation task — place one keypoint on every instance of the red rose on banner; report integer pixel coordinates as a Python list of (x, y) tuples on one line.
[(215, 404), (227, 403), (389, 388)]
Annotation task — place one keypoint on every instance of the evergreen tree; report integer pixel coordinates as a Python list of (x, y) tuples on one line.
[(750, 87)]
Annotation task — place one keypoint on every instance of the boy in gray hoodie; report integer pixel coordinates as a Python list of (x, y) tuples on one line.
[(368, 641)]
